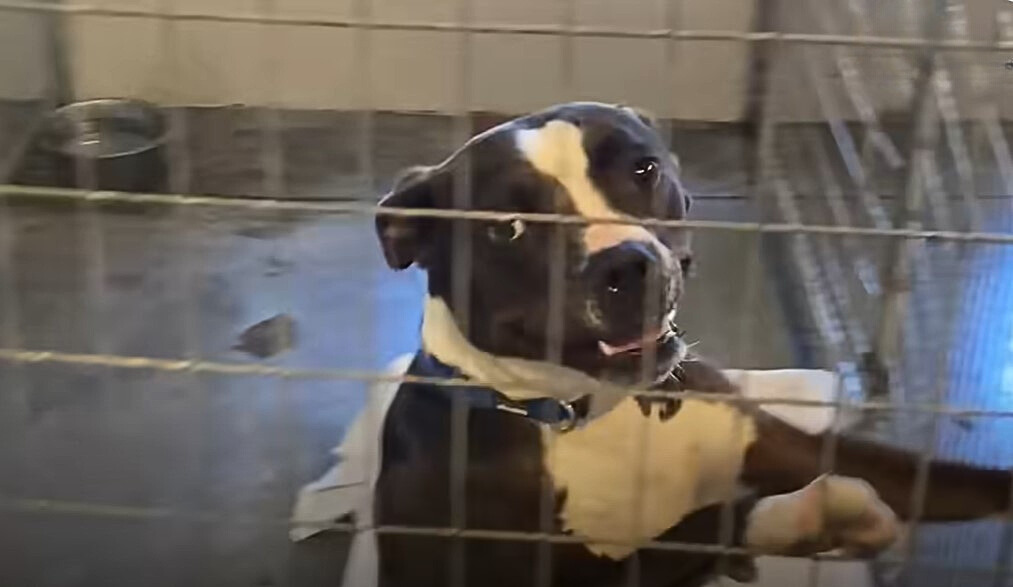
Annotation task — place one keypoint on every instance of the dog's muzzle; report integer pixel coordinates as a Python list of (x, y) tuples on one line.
[(632, 290)]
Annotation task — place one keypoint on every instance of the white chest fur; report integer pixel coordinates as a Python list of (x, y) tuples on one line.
[(628, 478)]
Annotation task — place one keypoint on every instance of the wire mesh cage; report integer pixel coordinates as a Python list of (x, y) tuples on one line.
[(852, 174)]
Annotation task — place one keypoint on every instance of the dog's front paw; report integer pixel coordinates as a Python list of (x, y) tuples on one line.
[(831, 512)]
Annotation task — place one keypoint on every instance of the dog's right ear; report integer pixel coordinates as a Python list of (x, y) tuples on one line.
[(403, 238), (645, 116)]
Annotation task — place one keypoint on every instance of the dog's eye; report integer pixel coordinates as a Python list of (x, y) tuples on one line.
[(646, 172), (504, 232)]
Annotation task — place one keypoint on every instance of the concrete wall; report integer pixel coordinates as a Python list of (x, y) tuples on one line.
[(25, 67), (302, 66), (322, 67)]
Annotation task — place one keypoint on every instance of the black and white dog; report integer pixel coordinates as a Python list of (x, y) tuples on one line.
[(618, 473)]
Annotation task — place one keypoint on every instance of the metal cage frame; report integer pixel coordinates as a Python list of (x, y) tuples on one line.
[(935, 119)]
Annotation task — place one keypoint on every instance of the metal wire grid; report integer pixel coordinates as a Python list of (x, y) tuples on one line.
[(196, 367), (823, 266)]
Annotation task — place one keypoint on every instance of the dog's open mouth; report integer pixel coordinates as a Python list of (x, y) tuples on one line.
[(635, 347)]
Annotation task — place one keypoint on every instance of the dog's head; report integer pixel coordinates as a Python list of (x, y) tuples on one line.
[(620, 282)]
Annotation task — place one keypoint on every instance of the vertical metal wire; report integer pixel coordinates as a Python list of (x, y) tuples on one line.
[(555, 325), (875, 138), (829, 273), (568, 48), (993, 126), (990, 117), (178, 169), (274, 186), (832, 274), (856, 166), (362, 55), (13, 396), (271, 154), (840, 215), (936, 201), (183, 223), (845, 142), (948, 305), (555, 332), (1004, 559), (828, 456), (954, 132), (183, 226), (14, 402), (925, 135), (652, 311), (849, 251), (765, 126), (461, 292), (93, 247), (651, 318), (849, 248), (801, 250)]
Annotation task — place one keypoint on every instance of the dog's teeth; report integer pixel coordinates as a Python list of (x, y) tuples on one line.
[(609, 350), (660, 337)]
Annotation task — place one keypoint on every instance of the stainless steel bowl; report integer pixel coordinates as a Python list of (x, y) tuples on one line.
[(108, 144)]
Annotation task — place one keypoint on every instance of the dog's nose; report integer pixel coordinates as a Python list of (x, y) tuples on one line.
[(622, 271)]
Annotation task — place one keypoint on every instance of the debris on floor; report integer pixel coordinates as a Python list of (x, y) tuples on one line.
[(268, 338)]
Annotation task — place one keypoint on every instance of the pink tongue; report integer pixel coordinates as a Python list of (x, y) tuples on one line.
[(609, 350)]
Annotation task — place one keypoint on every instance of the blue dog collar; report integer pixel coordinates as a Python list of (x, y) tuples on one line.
[(563, 415)]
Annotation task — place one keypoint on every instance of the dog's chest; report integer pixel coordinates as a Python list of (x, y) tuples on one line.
[(628, 477)]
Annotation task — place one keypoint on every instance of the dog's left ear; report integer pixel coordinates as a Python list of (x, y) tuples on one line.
[(403, 238)]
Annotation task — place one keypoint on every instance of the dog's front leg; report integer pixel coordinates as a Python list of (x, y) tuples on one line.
[(803, 515), (784, 458)]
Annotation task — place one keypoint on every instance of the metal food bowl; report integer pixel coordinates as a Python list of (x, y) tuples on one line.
[(108, 144)]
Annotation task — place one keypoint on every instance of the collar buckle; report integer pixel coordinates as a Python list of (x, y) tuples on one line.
[(569, 420)]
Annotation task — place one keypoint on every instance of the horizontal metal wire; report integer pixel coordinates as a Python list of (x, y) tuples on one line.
[(359, 207), (23, 356), (147, 514), (157, 513), (540, 30)]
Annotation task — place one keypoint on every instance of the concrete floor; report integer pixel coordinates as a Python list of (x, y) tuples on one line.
[(124, 477)]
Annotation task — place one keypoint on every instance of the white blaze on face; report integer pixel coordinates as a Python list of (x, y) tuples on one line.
[(557, 150)]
